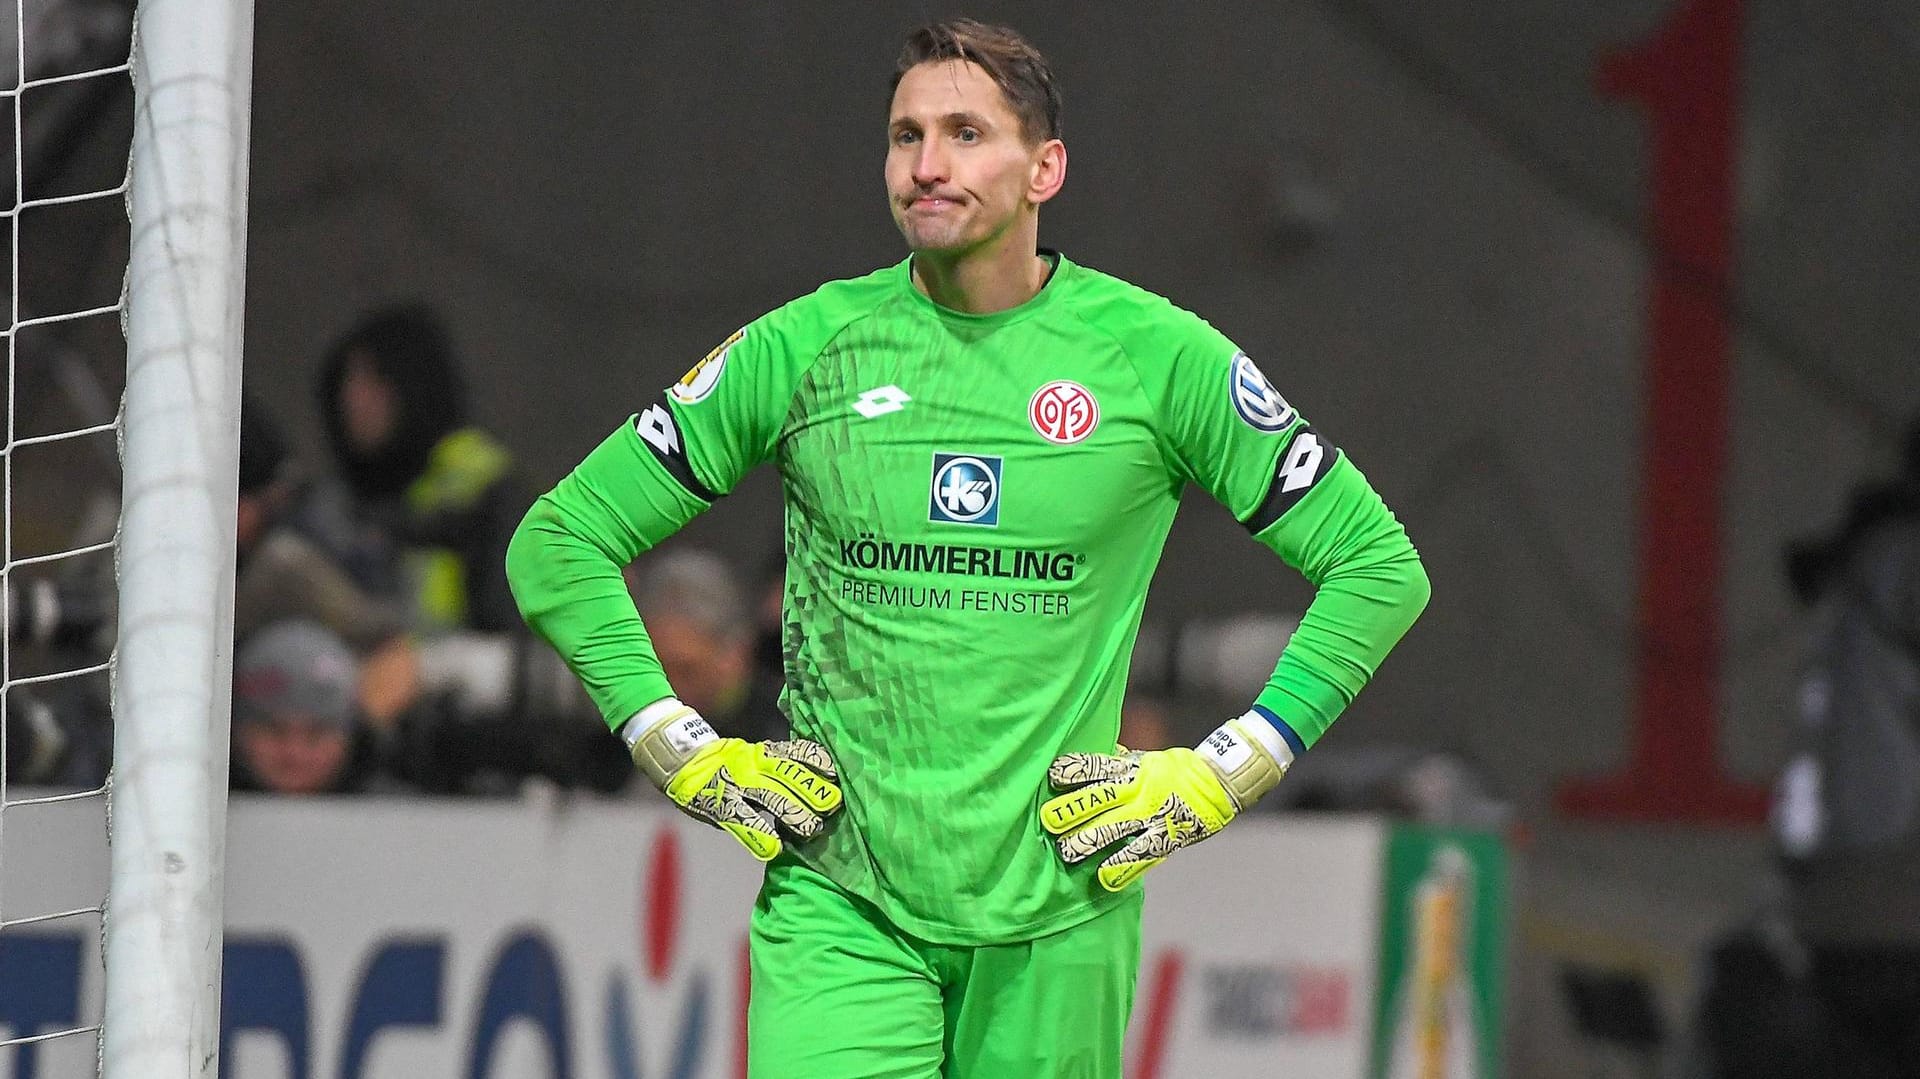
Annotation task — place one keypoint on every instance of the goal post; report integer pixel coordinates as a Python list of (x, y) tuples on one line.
[(172, 676)]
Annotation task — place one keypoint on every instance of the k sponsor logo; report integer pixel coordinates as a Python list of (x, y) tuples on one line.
[(1255, 399), (966, 490), (1063, 412), (696, 384)]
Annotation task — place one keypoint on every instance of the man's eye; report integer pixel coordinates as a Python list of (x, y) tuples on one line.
[(905, 138), (968, 134)]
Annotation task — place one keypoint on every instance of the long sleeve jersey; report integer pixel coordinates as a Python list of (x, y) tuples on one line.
[(974, 507)]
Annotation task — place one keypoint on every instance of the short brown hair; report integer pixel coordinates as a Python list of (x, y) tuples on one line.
[(1009, 60)]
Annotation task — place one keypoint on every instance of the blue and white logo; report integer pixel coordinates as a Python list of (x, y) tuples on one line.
[(1255, 399), (966, 489)]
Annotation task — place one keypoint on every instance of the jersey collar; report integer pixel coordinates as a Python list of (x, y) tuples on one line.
[(1055, 283)]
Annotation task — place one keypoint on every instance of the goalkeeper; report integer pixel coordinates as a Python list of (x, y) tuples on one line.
[(981, 449)]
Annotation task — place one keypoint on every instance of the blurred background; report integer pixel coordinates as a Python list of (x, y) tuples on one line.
[(1612, 303)]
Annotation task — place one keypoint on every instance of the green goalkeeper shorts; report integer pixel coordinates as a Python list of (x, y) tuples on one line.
[(839, 992)]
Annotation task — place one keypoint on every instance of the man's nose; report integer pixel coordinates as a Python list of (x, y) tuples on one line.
[(930, 164)]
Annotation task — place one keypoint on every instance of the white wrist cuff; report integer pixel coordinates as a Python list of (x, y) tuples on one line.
[(1250, 756), (1262, 732), (685, 730)]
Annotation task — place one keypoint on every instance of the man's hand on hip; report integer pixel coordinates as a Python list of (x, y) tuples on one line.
[(1159, 801), (756, 791)]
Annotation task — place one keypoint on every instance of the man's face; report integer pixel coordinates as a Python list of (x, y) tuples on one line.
[(959, 170), (291, 754), (369, 407)]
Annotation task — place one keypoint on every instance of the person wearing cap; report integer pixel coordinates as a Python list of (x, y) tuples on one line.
[(704, 634), (296, 723), (285, 573)]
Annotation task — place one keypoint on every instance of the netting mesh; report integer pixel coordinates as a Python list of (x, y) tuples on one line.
[(68, 104)]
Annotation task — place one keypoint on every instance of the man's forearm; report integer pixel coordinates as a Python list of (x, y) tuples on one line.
[(1371, 587), (564, 565)]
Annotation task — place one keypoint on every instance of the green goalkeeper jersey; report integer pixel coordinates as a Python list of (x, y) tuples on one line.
[(974, 507)]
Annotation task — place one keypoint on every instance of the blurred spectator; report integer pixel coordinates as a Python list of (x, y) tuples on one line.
[(71, 616), (1815, 566), (498, 709), (1225, 658), (1847, 811), (283, 574), (704, 635), (451, 712), (1144, 723), (60, 734), (769, 623), (296, 726), (1827, 981), (1425, 785), (443, 492), (36, 741)]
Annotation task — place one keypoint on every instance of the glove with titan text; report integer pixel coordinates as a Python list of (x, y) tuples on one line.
[(1159, 801), (756, 791)]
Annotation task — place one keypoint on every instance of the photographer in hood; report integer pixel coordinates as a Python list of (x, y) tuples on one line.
[(442, 493), (1826, 981)]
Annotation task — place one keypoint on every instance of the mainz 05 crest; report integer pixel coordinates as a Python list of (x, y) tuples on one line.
[(1063, 412)]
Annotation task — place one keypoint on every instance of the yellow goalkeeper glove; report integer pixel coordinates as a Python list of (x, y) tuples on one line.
[(1159, 801), (753, 790)]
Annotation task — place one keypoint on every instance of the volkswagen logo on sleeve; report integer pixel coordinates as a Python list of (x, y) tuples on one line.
[(1255, 399), (966, 489)]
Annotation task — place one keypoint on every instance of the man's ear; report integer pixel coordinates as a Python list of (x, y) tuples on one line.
[(1049, 171)]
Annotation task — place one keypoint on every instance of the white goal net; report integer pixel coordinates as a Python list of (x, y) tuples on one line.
[(125, 226)]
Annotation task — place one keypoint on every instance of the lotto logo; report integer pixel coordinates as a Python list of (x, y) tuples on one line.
[(1063, 412), (966, 490), (876, 403), (657, 427)]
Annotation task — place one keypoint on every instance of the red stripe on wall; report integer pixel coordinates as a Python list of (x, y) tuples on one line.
[(1686, 80), (1163, 992)]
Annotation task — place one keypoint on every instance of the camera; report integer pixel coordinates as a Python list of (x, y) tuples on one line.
[(497, 709)]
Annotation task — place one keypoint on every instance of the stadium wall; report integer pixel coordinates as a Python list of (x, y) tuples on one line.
[(605, 940)]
